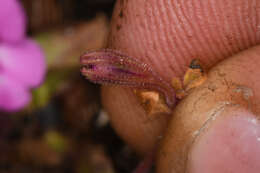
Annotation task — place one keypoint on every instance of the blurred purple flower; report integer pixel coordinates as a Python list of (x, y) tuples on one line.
[(22, 64), (12, 21)]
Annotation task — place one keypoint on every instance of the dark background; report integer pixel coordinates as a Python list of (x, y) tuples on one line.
[(64, 129)]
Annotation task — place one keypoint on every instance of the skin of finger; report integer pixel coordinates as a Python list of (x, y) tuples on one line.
[(232, 87), (167, 35), (139, 125)]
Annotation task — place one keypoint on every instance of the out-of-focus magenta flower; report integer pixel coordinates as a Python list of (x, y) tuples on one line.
[(22, 65), (12, 21)]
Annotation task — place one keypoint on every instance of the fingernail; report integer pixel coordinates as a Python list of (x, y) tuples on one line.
[(231, 145)]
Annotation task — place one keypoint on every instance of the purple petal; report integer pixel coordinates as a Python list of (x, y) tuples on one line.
[(24, 62), (12, 21), (13, 96)]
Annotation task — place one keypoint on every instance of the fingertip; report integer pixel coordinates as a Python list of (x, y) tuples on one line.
[(231, 144), (141, 131)]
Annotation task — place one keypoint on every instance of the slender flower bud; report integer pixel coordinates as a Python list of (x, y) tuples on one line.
[(112, 67)]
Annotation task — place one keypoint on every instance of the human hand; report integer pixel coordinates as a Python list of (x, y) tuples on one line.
[(168, 35)]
